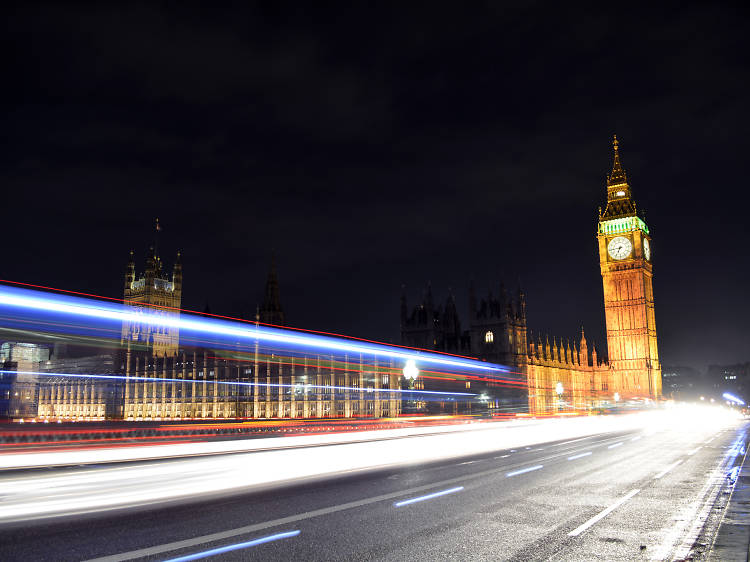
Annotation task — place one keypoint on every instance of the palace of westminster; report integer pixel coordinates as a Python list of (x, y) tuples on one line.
[(164, 378)]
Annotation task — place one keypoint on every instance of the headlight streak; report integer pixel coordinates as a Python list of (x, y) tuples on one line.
[(203, 468), (231, 547), (28, 300), (428, 497)]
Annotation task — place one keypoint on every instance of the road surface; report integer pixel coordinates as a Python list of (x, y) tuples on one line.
[(635, 494)]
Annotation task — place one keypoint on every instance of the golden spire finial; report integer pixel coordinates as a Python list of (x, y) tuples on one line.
[(618, 174)]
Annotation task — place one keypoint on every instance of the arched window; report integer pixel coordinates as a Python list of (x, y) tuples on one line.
[(489, 337)]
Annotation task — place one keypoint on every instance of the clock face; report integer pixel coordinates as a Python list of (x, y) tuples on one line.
[(619, 247), (646, 249)]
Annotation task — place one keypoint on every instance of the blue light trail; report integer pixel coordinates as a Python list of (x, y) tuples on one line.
[(231, 547), (24, 306), (732, 398), (524, 470), (301, 386), (428, 497)]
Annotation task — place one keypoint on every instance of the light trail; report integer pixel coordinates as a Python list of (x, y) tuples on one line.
[(614, 445), (524, 470), (35, 302), (203, 468), (46, 288), (231, 547), (302, 386), (428, 497)]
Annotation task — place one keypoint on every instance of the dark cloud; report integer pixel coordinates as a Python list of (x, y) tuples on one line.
[(374, 147)]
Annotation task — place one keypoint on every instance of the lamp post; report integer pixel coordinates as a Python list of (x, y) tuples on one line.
[(616, 397), (559, 389), (411, 372)]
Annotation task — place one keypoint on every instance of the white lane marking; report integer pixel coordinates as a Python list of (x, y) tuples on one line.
[(712, 438), (615, 445), (467, 462), (428, 496), (602, 514), (574, 457), (502, 456), (694, 451), (636, 438), (576, 440), (670, 467), (524, 470)]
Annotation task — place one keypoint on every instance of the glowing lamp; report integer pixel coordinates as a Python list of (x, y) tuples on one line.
[(410, 370), (559, 388)]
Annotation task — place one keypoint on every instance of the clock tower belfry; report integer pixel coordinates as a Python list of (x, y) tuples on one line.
[(625, 260)]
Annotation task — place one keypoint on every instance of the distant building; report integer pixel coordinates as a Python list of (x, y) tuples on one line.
[(682, 383), (734, 379)]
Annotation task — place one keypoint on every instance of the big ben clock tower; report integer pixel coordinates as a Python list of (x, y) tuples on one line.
[(625, 260)]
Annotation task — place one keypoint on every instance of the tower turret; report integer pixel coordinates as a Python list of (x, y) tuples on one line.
[(177, 275), (156, 294), (271, 311), (129, 274)]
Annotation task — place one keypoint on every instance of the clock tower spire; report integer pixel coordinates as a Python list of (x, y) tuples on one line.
[(627, 273)]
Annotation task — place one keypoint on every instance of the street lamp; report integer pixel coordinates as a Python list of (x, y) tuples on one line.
[(410, 374), (559, 390), (617, 397)]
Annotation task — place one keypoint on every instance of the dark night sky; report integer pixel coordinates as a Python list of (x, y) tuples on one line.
[(375, 148)]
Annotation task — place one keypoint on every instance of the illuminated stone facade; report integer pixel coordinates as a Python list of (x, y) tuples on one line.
[(627, 273), (159, 293), (153, 378), (204, 385)]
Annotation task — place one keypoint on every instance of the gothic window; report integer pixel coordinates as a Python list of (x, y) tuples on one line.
[(489, 337)]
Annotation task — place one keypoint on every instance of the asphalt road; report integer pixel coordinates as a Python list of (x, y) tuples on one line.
[(628, 495)]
